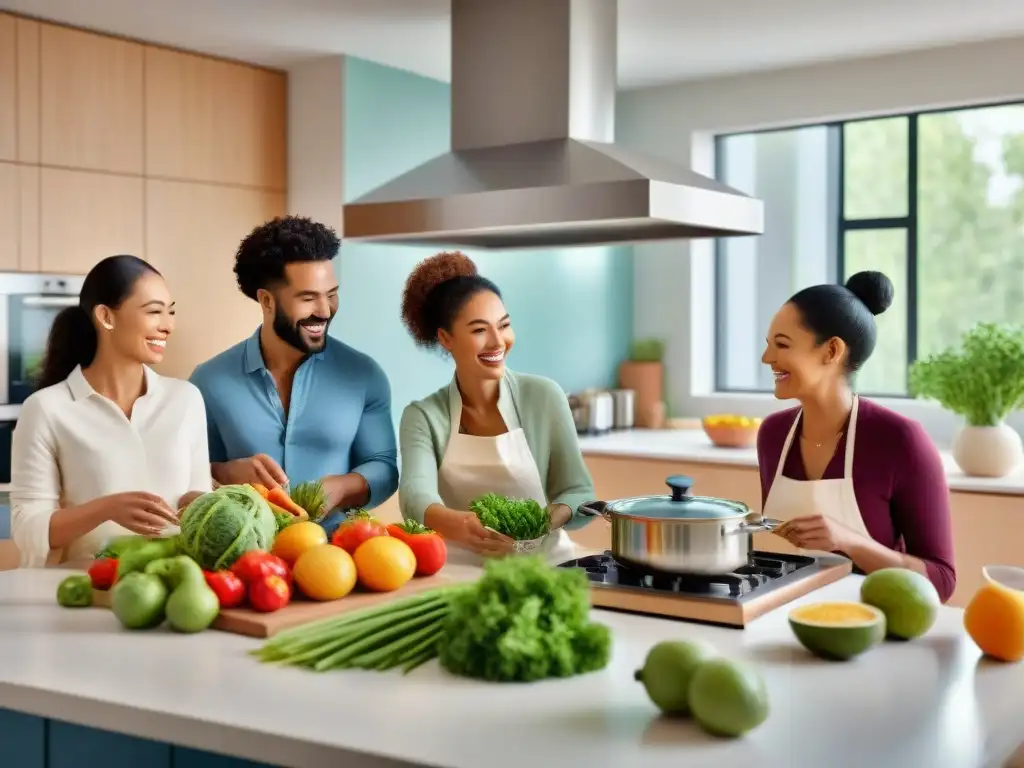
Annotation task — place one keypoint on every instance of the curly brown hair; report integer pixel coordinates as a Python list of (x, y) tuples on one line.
[(436, 291)]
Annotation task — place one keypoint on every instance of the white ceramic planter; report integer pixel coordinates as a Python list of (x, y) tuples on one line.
[(988, 451)]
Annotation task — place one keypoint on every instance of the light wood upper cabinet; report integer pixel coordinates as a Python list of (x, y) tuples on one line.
[(19, 89), (192, 233), (91, 101), (215, 121), (10, 216), (8, 88), (29, 35), (88, 216), (19, 217)]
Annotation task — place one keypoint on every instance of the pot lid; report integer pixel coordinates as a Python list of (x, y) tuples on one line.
[(679, 505)]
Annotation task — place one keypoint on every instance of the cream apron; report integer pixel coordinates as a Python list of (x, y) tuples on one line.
[(835, 499), (472, 466)]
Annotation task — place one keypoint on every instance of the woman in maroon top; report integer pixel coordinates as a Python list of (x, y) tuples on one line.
[(847, 474)]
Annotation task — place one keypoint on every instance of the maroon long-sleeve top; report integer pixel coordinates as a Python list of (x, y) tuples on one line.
[(898, 479)]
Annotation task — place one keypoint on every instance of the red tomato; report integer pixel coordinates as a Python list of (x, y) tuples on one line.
[(430, 550), (252, 565), (357, 529), (228, 588), (269, 593), (103, 572)]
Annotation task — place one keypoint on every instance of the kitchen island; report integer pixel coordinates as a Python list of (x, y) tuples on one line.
[(931, 703)]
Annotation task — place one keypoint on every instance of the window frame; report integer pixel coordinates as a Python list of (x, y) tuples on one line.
[(839, 225)]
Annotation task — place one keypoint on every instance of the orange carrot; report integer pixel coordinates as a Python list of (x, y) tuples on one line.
[(260, 489), (280, 498)]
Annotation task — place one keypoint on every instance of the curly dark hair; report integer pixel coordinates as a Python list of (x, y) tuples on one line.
[(264, 253), (436, 292)]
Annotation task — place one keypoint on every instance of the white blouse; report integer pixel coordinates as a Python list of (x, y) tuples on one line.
[(72, 445)]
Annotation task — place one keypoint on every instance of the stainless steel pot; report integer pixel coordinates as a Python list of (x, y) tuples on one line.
[(680, 533)]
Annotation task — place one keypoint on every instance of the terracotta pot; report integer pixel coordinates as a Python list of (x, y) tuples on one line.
[(988, 451), (647, 380)]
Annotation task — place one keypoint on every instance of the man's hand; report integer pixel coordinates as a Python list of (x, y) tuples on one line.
[(346, 491), (259, 469)]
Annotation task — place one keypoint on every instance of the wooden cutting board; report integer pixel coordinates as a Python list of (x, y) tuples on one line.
[(244, 621)]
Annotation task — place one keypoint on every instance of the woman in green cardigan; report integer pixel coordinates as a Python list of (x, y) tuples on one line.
[(490, 430)]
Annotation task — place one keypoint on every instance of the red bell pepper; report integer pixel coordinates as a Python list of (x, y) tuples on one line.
[(256, 564), (103, 572), (428, 546), (269, 593), (359, 527), (228, 588)]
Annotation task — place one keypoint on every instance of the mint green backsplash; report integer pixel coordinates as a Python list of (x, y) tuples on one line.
[(572, 309)]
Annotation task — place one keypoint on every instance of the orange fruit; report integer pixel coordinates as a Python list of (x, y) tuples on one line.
[(324, 572), (994, 619), (384, 563), (296, 539)]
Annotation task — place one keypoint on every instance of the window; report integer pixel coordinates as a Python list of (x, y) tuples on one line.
[(935, 200)]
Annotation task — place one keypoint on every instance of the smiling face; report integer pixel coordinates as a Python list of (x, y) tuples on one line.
[(800, 364), (301, 309), (481, 337), (138, 330)]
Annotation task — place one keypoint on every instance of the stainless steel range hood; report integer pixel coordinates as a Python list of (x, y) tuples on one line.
[(532, 163)]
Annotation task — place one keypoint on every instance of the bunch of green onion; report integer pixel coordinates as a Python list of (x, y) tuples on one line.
[(401, 634)]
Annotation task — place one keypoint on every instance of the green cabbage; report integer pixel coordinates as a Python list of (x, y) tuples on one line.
[(221, 526)]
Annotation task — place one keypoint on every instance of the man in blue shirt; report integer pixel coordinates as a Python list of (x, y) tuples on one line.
[(291, 403)]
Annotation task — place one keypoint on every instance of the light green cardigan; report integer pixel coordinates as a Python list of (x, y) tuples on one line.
[(534, 403)]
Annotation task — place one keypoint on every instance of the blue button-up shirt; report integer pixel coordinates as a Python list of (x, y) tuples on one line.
[(338, 421)]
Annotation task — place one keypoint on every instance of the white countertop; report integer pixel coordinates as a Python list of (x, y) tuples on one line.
[(932, 703), (694, 446)]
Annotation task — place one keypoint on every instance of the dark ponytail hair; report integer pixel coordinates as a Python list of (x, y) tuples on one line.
[(847, 312), (73, 339)]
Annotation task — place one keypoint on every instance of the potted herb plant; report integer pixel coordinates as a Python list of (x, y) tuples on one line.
[(644, 373), (983, 381)]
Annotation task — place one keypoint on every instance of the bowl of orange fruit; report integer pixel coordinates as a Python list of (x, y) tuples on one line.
[(726, 430)]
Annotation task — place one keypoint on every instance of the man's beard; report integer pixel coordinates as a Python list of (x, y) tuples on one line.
[(288, 331)]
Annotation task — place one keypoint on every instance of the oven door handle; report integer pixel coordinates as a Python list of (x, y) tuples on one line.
[(50, 301)]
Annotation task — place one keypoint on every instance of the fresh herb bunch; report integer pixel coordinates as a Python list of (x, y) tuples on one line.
[(312, 497), (519, 519), (983, 381), (523, 620)]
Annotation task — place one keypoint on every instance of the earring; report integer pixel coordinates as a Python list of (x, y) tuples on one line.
[(108, 327)]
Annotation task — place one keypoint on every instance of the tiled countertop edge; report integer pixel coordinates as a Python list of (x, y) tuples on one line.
[(690, 445)]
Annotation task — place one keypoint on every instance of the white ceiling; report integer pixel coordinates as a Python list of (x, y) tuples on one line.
[(660, 40)]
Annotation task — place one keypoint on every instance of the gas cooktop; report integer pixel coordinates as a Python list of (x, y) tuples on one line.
[(767, 581)]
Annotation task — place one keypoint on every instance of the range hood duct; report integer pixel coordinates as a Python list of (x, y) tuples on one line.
[(532, 163)]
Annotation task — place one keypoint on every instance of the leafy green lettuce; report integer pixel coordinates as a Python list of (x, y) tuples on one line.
[(523, 620)]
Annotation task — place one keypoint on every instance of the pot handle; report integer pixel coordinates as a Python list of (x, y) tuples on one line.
[(680, 485), (594, 509), (765, 524)]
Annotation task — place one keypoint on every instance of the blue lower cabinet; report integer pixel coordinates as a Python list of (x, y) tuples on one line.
[(74, 746), (183, 757), (34, 742), (22, 740)]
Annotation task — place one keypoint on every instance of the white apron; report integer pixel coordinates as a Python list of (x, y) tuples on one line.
[(472, 466), (835, 499)]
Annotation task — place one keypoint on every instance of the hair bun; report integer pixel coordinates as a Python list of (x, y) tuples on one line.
[(427, 275), (874, 289)]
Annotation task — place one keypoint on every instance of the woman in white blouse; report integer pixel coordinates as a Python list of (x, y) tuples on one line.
[(106, 446)]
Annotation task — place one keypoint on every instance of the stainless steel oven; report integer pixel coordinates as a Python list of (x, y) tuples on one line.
[(28, 305)]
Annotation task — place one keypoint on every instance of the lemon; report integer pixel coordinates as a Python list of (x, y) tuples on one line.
[(297, 538), (325, 572)]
